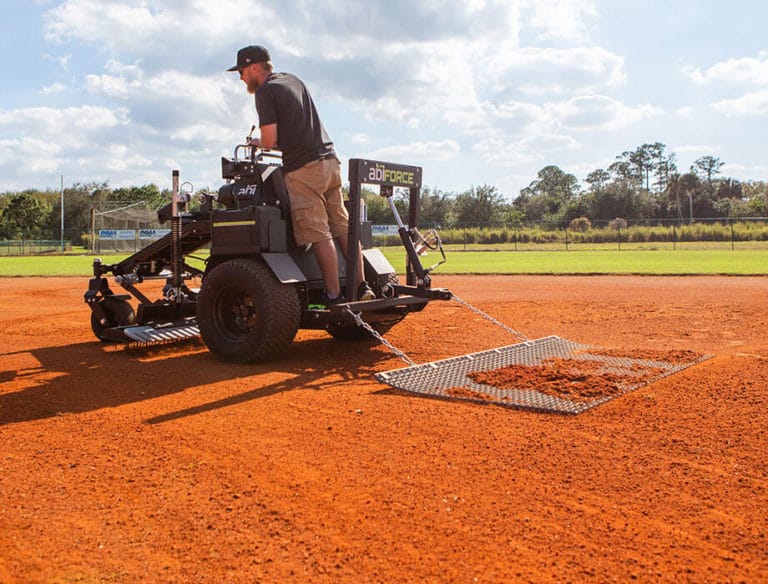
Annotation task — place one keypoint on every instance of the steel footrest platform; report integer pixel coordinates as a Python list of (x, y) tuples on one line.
[(149, 334)]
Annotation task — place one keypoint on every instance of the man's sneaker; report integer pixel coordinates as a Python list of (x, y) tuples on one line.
[(328, 301), (364, 292)]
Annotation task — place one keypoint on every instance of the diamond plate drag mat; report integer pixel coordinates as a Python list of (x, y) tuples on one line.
[(549, 374)]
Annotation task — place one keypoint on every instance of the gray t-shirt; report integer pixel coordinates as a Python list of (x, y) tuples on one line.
[(283, 99)]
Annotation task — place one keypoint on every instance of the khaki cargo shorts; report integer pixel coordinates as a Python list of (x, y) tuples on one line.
[(317, 205)]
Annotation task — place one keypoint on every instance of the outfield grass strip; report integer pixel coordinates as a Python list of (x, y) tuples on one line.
[(659, 262)]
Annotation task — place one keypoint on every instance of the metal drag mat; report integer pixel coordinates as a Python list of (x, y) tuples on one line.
[(449, 378)]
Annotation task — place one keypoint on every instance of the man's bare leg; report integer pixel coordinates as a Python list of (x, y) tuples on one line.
[(325, 254), (344, 244)]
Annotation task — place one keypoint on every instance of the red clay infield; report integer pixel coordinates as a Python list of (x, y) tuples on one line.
[(166, 465)]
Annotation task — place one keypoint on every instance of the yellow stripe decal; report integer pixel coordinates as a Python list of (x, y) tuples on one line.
[(234, 224)]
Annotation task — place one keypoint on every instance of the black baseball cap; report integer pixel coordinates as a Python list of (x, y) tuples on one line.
[(249, 55)]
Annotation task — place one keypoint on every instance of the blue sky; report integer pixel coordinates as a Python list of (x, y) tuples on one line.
[(475, 91)]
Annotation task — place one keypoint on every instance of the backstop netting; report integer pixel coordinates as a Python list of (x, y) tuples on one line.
[(125, 227)]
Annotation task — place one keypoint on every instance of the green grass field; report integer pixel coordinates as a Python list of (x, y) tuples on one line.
[(595, 262), (707, 261)]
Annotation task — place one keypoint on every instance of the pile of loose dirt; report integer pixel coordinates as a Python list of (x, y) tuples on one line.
[(572, 379), (679, 357)]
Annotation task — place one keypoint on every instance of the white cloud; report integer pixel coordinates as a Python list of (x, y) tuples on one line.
[(122, 161), (599, 112), (425, 151), (91, 143), (108, 85), (750, 70), (515, 82), (53, 88), (694, 150), (61, 60), (419, 83), (513, 129), (552, 142), (48, 140), (502, 153), (733, 73), (751, 103), (534, 70), (21, 157), (359, 138), (745, 172), (561, 20), (413, 63), (515, 117), (93, 21), (169, 102), (56, 123)]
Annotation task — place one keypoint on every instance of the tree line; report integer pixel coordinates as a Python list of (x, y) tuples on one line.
[(34, 214), (641, 184)]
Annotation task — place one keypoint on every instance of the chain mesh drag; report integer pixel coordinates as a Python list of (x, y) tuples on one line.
[(443, 378)]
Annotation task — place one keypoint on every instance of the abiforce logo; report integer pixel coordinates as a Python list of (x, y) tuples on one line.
[(248, 191), (397, 176)]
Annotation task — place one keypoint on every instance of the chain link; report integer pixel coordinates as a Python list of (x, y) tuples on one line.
[(489, 318), (360, 322)]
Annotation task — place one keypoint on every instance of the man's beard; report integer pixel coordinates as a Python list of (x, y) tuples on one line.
[(253, 85)]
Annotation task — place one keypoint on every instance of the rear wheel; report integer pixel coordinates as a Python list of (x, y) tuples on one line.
[(117, 312), (245, 314)]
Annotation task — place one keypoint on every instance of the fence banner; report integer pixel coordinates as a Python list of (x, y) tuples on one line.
[(153, 233), (384, 229), (119, 234)]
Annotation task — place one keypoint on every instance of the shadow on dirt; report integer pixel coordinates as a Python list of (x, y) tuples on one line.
[(90, 376)]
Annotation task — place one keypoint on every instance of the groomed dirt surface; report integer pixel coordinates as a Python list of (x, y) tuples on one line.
[(166, 465)]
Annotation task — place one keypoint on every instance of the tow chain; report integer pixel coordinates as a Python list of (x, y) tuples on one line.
[(489, 318), (374, 333), (360, 322)]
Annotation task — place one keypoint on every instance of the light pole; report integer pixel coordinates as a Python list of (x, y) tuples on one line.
[(690, 204), (62, 213)]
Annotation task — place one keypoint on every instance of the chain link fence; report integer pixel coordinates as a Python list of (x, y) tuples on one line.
[(128, 228), (619, 234), (114, 228)]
